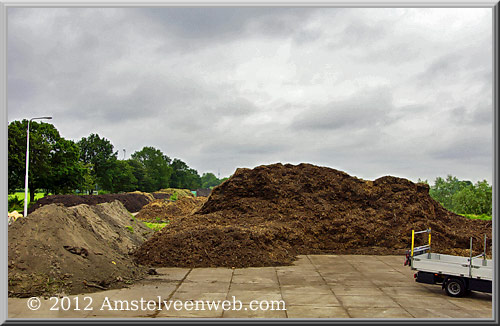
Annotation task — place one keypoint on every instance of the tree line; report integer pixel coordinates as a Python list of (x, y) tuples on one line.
[(462, 196), (61, 166)]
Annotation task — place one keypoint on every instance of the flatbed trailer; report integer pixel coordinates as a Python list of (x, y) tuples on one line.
[(458, 275)]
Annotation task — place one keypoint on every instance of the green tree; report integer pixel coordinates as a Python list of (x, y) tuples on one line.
[(89, 180), (444, 189), (209, 180), (67, 171), (484, 195), (122, 177), (139, 172), (43, 137), (100, 154), (474, 199), (157, 168), (183, 176)]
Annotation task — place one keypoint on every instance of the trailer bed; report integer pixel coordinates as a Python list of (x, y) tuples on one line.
[(453, 265)]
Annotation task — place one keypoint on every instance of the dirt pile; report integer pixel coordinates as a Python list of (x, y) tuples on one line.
[(58, 249), (168, 192), (267, 215), (165, 211), (147, 194), (133, 201), (203, 192)]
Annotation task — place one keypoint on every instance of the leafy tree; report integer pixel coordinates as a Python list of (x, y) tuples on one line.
[(99, 153), (139, 172), (484, 195), (43, 137), (209, 180), (122, 176), (157, 168), (89, 180), (463, 197), (67, 171), (444, 189), (183, 176), (475, 199)]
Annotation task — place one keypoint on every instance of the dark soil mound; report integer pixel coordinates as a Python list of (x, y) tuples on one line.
[(161, 195), (203, 192), (74, 250), (132, 201), (267, 215), (165, 211)]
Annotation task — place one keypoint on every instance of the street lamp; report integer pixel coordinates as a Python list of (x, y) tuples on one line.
[(27, 160)]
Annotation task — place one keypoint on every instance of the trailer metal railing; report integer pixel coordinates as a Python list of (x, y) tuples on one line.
[(420, 248)]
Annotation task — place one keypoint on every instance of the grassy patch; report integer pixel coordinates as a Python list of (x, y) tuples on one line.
[(20, 195), (130, 229), (483, 217), (155, 226)]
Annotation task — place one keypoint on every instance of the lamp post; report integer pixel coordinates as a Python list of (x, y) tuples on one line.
[(27, 163)]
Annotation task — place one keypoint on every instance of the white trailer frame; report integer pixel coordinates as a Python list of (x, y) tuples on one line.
[(457, 274)]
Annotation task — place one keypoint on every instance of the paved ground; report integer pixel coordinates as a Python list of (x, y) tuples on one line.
[(317, 286)]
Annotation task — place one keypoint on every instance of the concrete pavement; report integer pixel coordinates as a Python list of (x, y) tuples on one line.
[(316, 286)]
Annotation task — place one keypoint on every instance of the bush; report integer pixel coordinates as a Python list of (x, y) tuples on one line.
[(16, 204), (155, 226), (463, 197), (475, 199)]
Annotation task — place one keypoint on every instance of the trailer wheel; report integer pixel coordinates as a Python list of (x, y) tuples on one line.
[(455, 287)]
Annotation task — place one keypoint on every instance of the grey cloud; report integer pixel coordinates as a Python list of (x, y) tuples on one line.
[(444, 68), (363, 109), (19, 89), (373, 42), (238, 107), (201, 118), (482, 115), (190, 29), (359, 33), (465, 62), (213, 22), (155, 77), (479, 115), (245, 147), (465, 148)]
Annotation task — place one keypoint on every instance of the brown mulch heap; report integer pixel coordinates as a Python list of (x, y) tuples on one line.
[(165, 211), (71, 250), (166, 193), (133, 201), (267, 215)]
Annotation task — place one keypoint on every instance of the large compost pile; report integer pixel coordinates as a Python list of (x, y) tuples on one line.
[(133, 201), (267, 215), (72, 250), (162, 210)]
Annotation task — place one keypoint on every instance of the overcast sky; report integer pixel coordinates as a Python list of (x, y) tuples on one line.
[(372, 92)]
